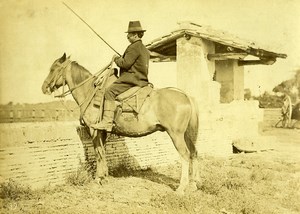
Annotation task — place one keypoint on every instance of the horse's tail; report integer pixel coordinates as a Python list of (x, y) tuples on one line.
[(191, 132)]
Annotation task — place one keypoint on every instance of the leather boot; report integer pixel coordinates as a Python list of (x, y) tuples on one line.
[(108, 116)]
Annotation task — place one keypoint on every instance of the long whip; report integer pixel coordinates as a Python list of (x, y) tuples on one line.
[(91, 28)]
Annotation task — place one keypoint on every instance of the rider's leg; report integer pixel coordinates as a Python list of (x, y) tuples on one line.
[(110, 106)]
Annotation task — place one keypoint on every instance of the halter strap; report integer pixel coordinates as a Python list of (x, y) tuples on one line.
[(83, 82)]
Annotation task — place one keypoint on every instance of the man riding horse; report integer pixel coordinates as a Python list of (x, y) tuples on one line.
[(166, 109), (133, 72)]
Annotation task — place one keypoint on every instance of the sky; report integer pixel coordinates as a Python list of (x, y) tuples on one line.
[(36, 32)]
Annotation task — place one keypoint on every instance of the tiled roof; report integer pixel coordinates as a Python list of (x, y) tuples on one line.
[(166, 45)]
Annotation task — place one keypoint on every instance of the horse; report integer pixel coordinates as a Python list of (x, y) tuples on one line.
[(166, 109)]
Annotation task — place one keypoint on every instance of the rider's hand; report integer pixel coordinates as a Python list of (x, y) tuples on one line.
[(115, 57), (98, 80)]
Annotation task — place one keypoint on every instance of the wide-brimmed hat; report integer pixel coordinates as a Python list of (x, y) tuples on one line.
[(134, 26)]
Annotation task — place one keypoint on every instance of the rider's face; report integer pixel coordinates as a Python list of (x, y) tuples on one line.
[(132, 37)]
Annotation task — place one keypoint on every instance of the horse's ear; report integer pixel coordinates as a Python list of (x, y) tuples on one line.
[(63, 58), (69, 57)]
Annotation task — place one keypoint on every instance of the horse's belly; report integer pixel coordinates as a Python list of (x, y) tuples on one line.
[(130, 124)]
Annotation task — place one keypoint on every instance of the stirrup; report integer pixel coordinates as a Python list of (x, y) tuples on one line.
[(99, 126)]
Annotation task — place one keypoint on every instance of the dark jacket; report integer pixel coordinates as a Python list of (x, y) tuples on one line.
[(134, 65)]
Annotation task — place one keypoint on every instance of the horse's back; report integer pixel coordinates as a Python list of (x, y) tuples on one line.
[(172, 107), (171, 96)]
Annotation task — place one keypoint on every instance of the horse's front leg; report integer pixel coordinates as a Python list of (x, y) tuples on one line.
[(101, 163)]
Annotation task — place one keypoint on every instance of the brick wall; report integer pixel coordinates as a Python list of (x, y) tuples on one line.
[(40, 153), (136, 153), (44, 153)]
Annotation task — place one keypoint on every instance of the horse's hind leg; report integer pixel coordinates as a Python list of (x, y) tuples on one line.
[(194, 167), (184, 180), (179, 143)]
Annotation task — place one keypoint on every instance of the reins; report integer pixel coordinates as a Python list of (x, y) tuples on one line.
[(65, 93), (92, 91)]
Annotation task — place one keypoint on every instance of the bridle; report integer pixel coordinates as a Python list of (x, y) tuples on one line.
[(62, 73)]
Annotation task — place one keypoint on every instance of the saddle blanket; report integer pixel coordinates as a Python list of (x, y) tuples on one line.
[(134, 98)]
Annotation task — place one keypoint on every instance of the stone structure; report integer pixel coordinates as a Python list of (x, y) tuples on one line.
[(210, 68)]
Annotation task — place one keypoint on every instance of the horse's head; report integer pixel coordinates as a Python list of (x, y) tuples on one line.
[(56, 76)]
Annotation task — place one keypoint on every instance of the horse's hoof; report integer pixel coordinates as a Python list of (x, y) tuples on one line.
[(101, 180), (180, 191), (104, 180), (192, 187)]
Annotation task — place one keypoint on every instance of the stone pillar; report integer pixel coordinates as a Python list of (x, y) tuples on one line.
[(231, 77), (238, 81), (195, 77), (195, 71)]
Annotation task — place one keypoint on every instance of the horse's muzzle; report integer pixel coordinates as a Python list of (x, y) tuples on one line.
[(46, 88)]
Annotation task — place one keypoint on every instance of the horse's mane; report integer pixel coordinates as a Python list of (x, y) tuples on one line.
[(80, 72)]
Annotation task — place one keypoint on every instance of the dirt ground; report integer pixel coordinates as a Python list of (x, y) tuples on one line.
[(263, 182)]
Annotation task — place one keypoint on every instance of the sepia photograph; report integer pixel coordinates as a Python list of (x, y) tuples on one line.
[(150, 106)]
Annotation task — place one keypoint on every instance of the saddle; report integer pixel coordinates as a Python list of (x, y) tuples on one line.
[(133, 99), (129, 101)]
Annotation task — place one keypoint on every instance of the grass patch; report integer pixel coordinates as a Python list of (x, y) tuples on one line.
[(290, 196), (261, 174), (80, 177), (239, 185), (238, 201), (15, 191)]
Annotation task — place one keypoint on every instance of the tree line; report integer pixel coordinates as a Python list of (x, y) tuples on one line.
[(290, 87)]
